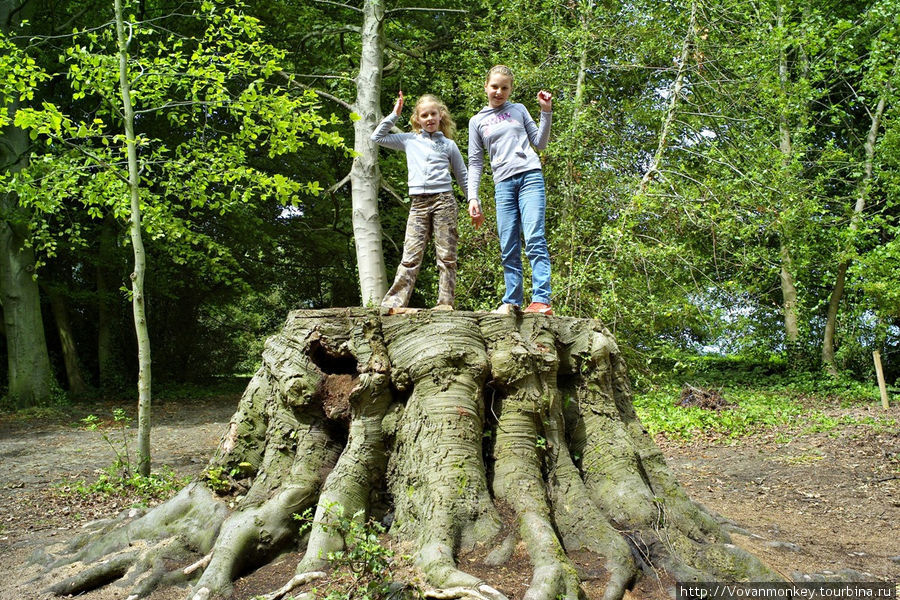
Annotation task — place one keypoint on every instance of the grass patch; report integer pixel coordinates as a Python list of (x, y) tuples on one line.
[(753, 411), (116, 482)]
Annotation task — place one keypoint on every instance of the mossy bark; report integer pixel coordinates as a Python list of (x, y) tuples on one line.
[(439, 422)]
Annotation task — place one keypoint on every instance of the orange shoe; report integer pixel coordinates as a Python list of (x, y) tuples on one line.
[(540, 308)]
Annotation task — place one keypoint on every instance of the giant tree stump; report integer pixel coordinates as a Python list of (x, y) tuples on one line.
[(441, 418)]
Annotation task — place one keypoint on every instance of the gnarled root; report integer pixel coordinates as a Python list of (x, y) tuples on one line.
[(436, 472), (135, 552)]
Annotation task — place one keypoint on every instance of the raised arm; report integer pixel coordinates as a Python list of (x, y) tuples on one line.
[(539, 135), (382, 135)]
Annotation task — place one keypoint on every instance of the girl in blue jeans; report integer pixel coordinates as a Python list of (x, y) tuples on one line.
[(507, 131)]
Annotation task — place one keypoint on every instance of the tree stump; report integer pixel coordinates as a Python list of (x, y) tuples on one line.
[(446, 420)]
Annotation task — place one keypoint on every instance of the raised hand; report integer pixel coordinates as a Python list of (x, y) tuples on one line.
[(545, 99), (398, 105)]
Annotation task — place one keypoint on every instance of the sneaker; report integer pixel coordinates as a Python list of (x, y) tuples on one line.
[(506, 309), (540, 308), (443, 307)]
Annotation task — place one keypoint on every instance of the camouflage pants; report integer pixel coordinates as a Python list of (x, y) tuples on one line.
[(428, 214)]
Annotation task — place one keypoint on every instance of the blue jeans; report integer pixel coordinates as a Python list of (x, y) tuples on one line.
[(521, 203)]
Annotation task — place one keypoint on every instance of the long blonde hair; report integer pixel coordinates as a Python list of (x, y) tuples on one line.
[(447, 126)]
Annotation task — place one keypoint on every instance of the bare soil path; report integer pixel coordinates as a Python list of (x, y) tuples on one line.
[(812, 503)]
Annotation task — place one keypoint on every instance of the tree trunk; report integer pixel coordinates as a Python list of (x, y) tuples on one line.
[(77, 386), (789, 297), (834, 302), (137, 277), (480, 429), (788, 288), (365, 176), (653, 169), (30, 375)]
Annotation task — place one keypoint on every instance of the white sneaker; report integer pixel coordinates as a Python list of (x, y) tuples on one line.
[(506, 309)]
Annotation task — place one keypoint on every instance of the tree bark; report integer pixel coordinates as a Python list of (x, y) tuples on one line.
[(479, 430), (788, 287), (30, 374), (137, 277), (365, 176)]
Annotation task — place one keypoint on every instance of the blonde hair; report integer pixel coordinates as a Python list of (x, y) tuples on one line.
[(500, 70), (447, 126)]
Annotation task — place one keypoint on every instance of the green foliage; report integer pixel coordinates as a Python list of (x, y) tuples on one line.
[(364, 569), (764, 396), (119, 480), (120, 423), (214, 91)]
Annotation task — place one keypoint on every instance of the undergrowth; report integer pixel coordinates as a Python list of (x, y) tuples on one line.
[(764, 395), (365, 568), (121, 478)]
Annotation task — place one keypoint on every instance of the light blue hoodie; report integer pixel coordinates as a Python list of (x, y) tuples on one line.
[(429, 157)]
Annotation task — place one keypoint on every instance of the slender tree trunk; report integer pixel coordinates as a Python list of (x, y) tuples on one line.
[(30, 375), (788, 288), (840, 279), (365, 175), (789, 297), (653, 169), (74, 375), (137, 277)]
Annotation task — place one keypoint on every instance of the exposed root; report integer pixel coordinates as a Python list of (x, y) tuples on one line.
[(200, 564), (481, 592), (295, 582)]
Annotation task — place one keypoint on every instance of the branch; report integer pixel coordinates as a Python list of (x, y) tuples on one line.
[(391, 191), (412, 8), (96, 159), (338, 185), (339, 4), (321, 32), (326, 95)]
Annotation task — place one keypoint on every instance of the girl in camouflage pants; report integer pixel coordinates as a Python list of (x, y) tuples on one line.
[(431, 154)]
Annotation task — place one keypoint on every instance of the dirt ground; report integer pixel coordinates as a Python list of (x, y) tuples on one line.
[(807, 504)]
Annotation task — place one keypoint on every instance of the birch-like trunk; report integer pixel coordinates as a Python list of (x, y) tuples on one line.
[(678, 84), (28, 363), (788, 288), (137, 277), (365, 176), (840, 279)]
